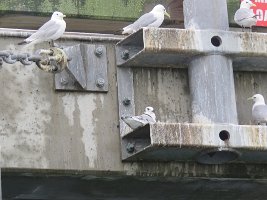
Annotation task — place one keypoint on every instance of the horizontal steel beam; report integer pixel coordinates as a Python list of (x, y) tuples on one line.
[(154, 47), (206, 143)]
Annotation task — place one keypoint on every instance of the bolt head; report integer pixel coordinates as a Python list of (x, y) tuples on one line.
[(130, 148), (100, 82), (125, 55), (99, 51), (63, 81), (126, 102)]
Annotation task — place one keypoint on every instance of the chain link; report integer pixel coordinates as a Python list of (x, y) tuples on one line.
[(24, 58)]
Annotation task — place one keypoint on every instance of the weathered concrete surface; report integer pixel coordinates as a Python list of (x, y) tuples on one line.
[(164, 89), (246, 85), (43, 129), (40, 126)]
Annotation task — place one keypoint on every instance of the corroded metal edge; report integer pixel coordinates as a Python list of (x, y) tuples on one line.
[(192, 139), (240, 136), (170, 46), (183, 40)]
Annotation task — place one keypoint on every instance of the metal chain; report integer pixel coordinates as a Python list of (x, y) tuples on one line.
[(24, 58)]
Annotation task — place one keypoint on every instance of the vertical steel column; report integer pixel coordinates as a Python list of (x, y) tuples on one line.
[(210, 77)]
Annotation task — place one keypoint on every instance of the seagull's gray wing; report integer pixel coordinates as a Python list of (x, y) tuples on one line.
[(242, 14), (133, 122), (144, 118), (259, 113), (45, 31), (143, 21)]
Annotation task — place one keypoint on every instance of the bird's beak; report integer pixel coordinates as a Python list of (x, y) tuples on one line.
[(253, 5), (167, 14), (250, 98), (64, 15)]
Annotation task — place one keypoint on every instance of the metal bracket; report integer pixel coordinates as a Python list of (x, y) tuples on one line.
[(152, 47), (86, 71), (205, 143)]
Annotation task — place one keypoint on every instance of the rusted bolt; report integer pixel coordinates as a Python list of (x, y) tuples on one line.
[(63, 81), (125, 55), (99, 51), (126, 102), (100, 82), (130, 148)]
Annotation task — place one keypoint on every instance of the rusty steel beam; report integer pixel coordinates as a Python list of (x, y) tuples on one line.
[(177, 47), (206, 143)]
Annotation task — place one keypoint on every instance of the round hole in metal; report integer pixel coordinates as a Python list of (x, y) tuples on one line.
[(224, 135), (216, 41)]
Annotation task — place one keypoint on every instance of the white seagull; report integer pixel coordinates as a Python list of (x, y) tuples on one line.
[(244, 16), (152, 19), (50, 31), (135, 122), (259, 109)]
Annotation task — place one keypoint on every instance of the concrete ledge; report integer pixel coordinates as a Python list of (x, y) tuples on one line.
[(186, 142), (75, 36), (177, 47)]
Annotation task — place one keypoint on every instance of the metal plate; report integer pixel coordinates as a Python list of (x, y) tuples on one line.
[(87, 70)]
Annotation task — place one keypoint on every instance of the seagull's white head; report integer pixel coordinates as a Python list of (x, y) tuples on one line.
[(247, 4), (149, 109), (258, 99), (161, 9), (58, 15)]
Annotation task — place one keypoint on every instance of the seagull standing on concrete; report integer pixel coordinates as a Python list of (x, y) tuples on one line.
[(152, 19), (50, 31), (244, 16), (135, 122), (259, 109)]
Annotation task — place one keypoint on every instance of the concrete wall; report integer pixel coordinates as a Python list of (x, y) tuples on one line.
[(41, 129)]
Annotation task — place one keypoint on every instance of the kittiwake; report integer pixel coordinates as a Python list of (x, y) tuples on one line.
[(50, 31), (259, 109), (244, 16), (135, 122), (152, 19)]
